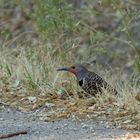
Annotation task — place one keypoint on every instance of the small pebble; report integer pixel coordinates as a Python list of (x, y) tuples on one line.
[(92, 129), (65, 125), (84, 126), (1, 119)]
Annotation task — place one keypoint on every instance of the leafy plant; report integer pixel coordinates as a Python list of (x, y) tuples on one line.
[(54, 17)]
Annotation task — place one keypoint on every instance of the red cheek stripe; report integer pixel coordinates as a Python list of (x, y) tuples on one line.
[(73, 71)]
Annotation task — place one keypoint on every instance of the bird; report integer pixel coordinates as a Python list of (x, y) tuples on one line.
[(89, 81)]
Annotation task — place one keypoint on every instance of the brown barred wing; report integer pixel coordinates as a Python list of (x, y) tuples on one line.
[(93, 83)]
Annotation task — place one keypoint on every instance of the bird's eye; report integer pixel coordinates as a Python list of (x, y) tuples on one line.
[(73, 67)]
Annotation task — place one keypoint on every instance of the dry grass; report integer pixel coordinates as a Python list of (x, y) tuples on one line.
[(129, 137), (29, 81)]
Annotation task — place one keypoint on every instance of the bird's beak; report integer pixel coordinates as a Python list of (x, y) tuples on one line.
[(63, 69), (67, 69)]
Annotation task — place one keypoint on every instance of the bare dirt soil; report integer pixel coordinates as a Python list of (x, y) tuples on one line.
[(12, 121)]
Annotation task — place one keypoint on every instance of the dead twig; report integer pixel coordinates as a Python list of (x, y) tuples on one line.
[(4, 136)]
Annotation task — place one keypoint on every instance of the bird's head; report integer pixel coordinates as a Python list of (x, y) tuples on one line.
[(77, 69)]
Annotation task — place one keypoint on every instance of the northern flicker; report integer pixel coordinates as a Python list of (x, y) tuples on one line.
[(89, 81)]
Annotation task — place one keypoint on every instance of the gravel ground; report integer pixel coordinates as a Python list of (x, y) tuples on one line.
[(67, 129)]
